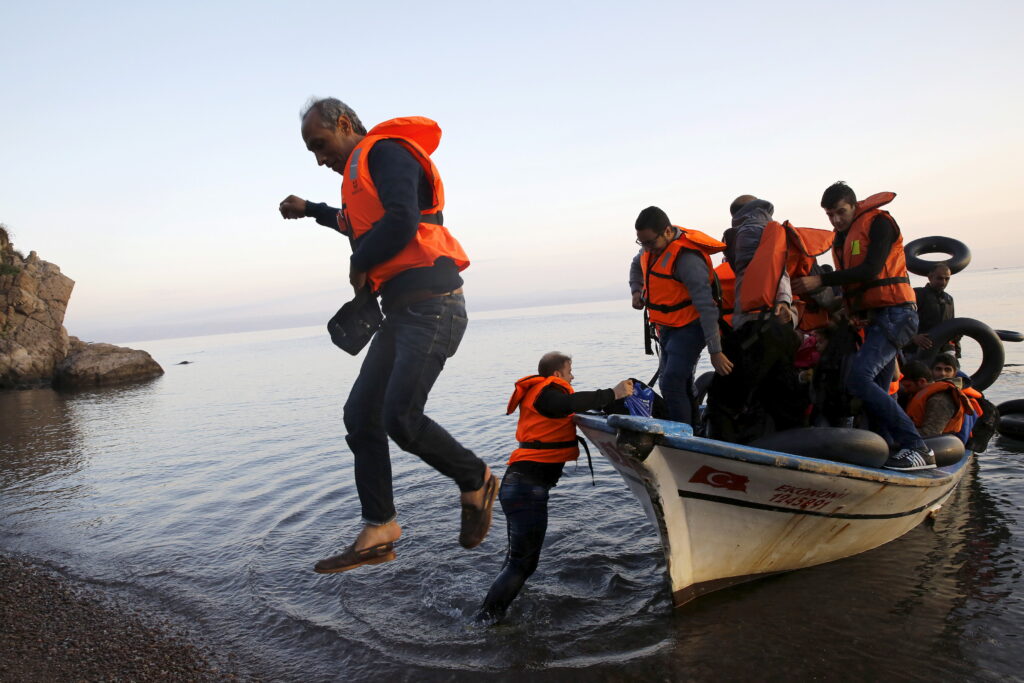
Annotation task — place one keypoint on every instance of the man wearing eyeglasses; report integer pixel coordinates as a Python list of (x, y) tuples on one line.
[(671, 276)]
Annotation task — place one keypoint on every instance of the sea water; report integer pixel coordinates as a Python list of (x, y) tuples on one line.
[(209, 493)]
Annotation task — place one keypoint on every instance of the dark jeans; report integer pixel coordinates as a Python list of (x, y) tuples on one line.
[(680, 351), (525, 504), (763, 383), (872, 369), (404, 360)]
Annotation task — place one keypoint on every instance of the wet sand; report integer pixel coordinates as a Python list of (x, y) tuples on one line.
[(52, 629)]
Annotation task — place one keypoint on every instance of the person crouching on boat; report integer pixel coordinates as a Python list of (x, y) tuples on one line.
[(937, 404), (871, 269), (547, 440), (672, 277)]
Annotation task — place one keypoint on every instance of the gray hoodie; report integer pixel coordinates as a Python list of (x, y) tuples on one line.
[(749, 222)]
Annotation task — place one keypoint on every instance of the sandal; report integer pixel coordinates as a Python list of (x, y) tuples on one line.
[(352, 558), (476, 522)]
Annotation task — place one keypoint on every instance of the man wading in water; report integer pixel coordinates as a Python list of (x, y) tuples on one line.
[(547, 440), (392, 199)]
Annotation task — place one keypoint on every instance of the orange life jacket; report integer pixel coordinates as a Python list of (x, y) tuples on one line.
[(973, 395), (361, 207), (783, 247), (810, 315), (727, 287), (916, 408), (891, 287), (667, 299), (553, 439)]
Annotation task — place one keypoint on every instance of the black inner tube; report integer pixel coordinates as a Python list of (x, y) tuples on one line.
[(1015, 405), (993, 355), (937, 244), (1009, 336)]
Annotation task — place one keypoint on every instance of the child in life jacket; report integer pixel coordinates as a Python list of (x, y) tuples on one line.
[(547, 440)]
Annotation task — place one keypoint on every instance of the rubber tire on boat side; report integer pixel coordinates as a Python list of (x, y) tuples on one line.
[(1009, 336), (937, 244), (701, 386), (841, 444), (993, 355), (947, 447)]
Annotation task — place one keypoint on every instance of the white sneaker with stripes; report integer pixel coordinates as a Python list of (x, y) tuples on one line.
[(909, 459)]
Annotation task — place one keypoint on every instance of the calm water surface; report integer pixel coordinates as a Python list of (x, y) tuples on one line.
[(209, 493)]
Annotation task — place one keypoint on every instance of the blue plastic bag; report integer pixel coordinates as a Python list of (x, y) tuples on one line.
[(641, 401)]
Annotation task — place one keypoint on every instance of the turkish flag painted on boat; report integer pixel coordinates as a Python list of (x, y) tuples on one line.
[(720, 479)]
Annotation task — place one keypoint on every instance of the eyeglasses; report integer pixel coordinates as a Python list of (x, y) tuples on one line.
[(648, 244)]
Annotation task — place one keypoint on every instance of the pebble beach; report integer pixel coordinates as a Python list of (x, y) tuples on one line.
[(52, 629)]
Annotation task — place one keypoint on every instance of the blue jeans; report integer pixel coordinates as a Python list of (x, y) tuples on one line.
[(525, 504), (404, 360), (872, 369), (680, 351)]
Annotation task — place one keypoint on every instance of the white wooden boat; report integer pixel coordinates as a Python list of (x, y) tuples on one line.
[(728, 513)]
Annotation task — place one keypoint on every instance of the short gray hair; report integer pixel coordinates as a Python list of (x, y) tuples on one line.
[(329, 109)]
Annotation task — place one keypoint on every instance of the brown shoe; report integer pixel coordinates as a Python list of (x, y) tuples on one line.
[(476, 522), (352, 558)]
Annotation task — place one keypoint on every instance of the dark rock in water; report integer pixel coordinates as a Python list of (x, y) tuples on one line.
[(184, 362), (35, 349), (94, 365)]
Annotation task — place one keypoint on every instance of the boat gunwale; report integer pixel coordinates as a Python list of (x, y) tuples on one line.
[(679, 436)]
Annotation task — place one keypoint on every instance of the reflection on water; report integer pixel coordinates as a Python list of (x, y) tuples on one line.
[(211, 491), (39, 444)]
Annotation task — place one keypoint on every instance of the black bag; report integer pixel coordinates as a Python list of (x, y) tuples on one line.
[(355, 323), (985, 427)]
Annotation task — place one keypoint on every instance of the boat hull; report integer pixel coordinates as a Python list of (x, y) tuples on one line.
[(728, 513)]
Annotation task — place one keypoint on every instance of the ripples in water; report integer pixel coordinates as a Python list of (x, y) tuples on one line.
[(210, 493)]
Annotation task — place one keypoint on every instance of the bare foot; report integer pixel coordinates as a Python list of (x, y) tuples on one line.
[(476, 498), (372, 535)]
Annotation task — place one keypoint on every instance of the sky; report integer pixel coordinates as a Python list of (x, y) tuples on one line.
[(144, 147)]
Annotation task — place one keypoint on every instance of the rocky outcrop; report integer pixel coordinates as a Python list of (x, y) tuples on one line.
[(93, 365), (34, 295), (35, 349)]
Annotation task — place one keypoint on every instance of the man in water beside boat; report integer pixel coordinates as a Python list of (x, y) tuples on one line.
[(392, 197), (672, 277), (871, 269), (547, 440)]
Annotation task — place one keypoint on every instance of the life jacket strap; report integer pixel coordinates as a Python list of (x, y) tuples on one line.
[(669, 308), (548, 445), (551, 445), (880, 283), (432, 218)]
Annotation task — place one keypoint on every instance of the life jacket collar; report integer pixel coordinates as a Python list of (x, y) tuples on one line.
[(524, 384), (423, 131), (875, 201)]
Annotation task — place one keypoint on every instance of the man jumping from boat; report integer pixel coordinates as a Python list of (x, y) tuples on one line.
[(392, 199), (871, 269), (547, 440), (672, 277)]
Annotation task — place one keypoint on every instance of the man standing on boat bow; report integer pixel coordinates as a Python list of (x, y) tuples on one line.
[(871, 269), (392, 199), (673, 279)]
